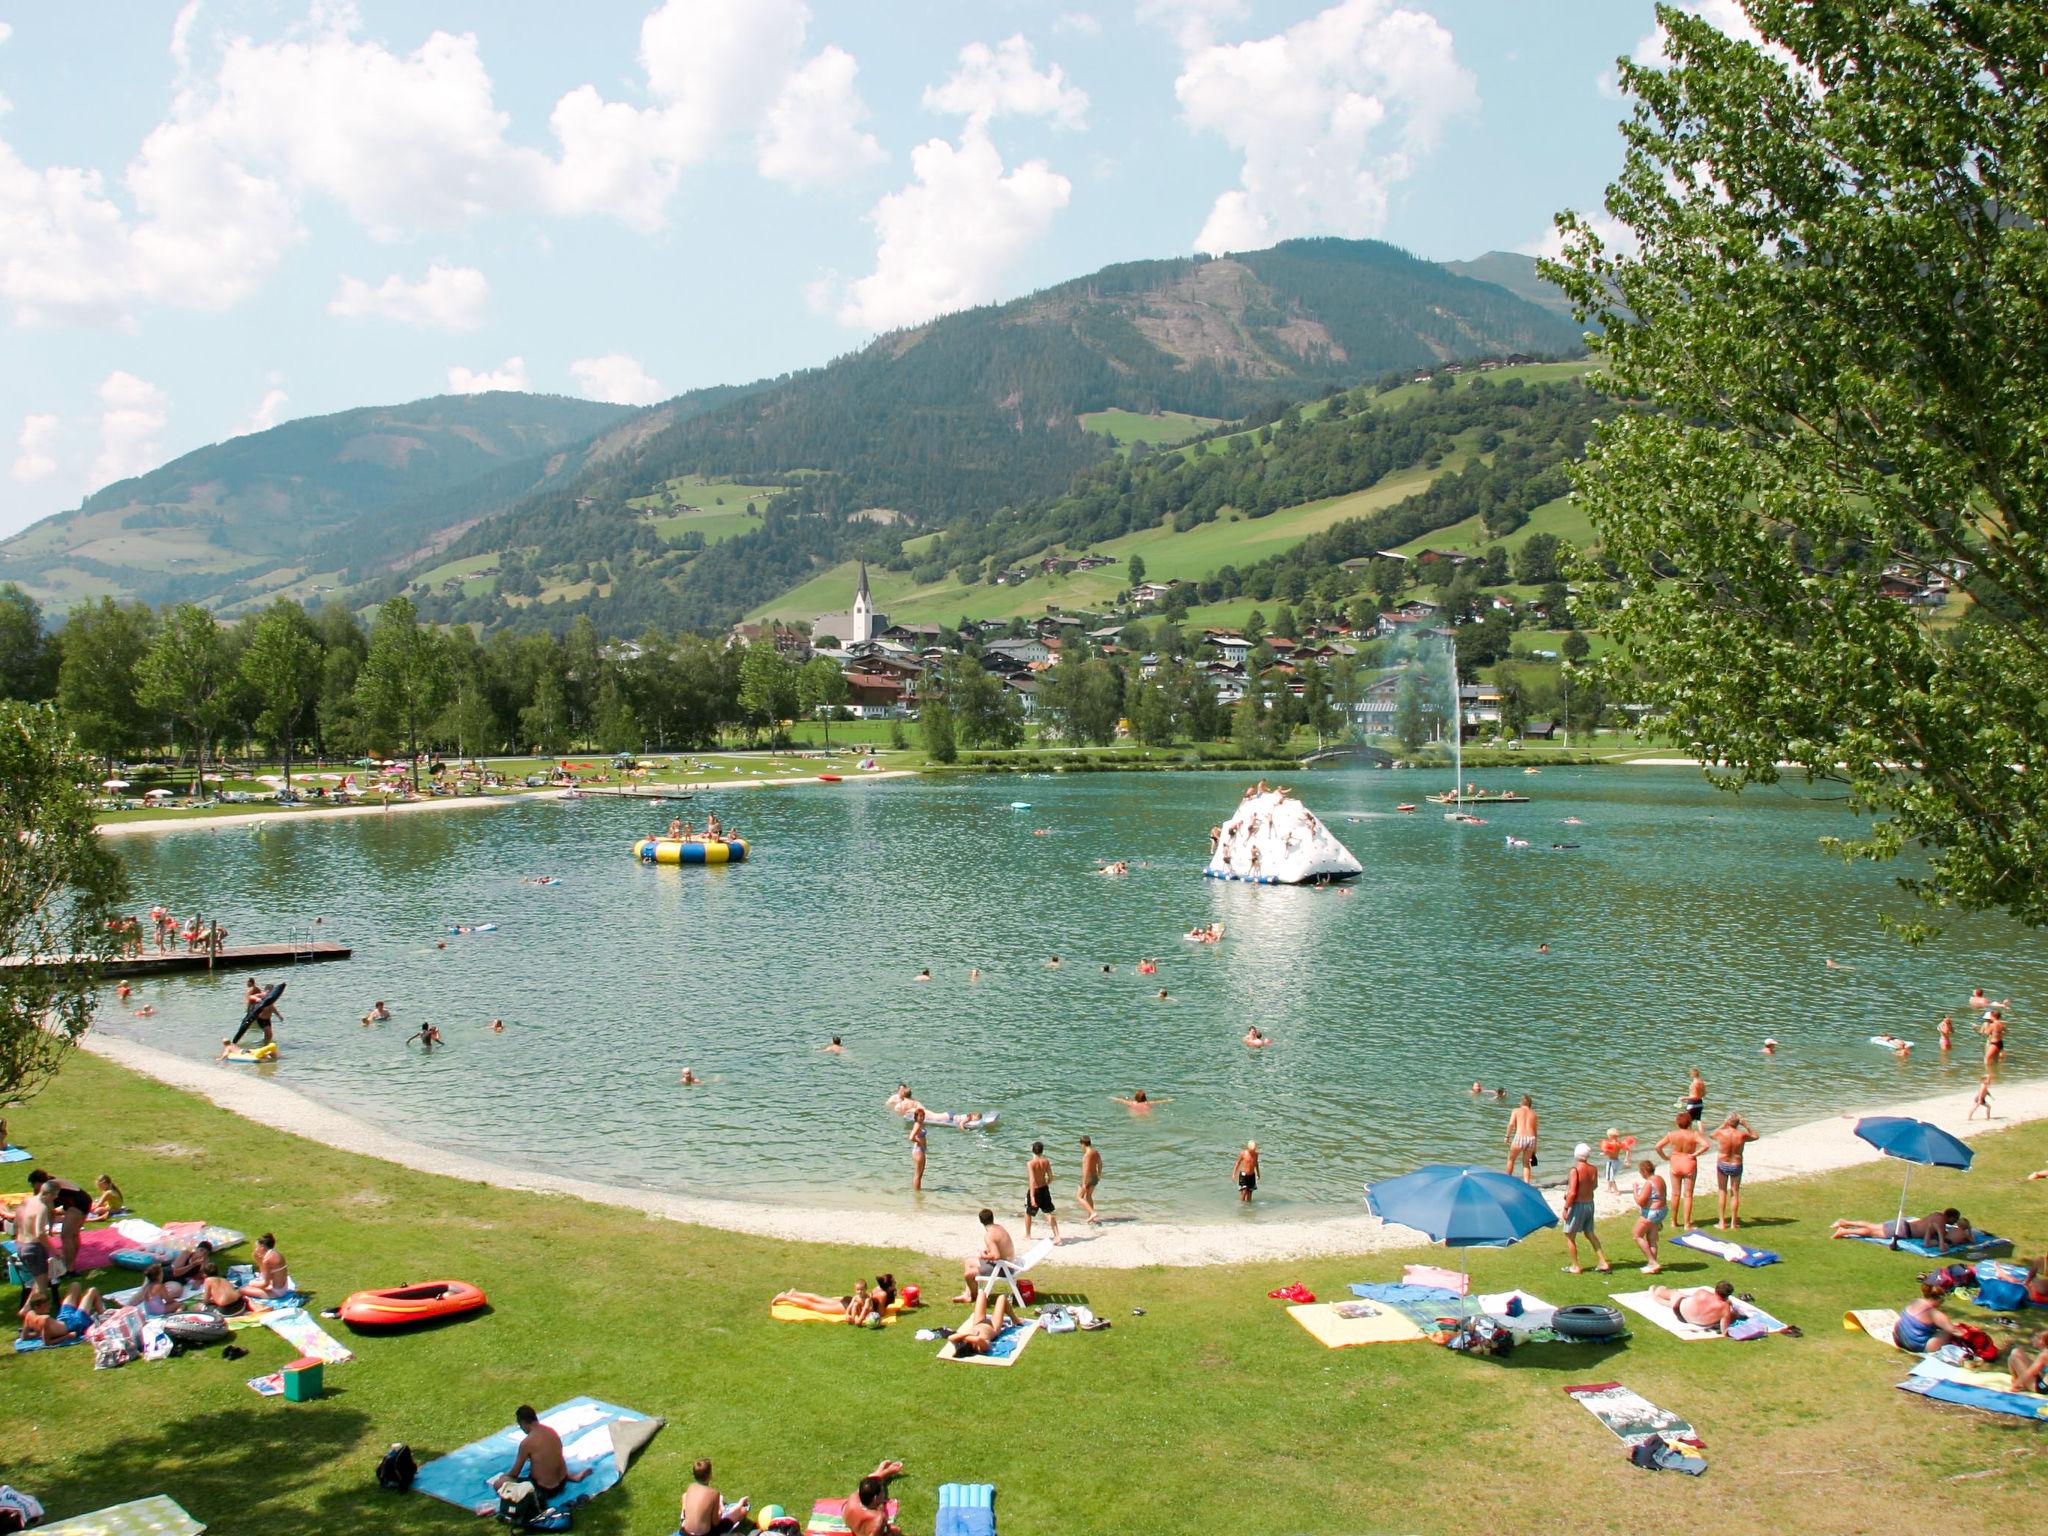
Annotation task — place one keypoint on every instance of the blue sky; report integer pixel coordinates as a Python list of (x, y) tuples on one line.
[(220, 215)]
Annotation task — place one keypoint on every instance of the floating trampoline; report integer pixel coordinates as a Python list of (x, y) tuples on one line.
[(691, 850)]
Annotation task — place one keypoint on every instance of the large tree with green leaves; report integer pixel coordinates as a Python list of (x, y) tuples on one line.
[(104, 643), (28, 661), (59, 886), (281, 667), (1835, 320), (404, 678), (188, 674)]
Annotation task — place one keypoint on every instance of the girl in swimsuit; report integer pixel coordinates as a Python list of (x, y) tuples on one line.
[(918, 1133)]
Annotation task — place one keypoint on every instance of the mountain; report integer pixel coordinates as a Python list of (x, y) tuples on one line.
[(1517, 273), (228, 519), (957, 419)]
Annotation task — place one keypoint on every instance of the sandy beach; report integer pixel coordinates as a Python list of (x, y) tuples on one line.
[(1816, 1147), (458, 803)]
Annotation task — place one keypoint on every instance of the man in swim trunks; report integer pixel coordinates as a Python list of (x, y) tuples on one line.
[(32, 1239), (997, 1246), (867, 1512), (703, 1512), (1729, 1140), (835, 1048), (1696, 1099), (1091, 1175), (66, 1206), (1521, 1139), (1683, 1147), (1940, 1229), (1038, 1191), (1247, 1172), (540, 1459), (1701, 1307), (378, 1013), (1581, 1181), (1651, 1210)]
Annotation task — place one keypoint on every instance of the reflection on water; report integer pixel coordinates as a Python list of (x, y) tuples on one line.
[(1686, 927)]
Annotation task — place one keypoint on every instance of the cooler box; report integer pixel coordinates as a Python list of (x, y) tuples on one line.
[(302, 1380)]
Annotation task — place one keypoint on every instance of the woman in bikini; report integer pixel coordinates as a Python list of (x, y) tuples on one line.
[(918, 1134), (1651, 1210), (984, 1325), (1683, 1146), (273, 1276)]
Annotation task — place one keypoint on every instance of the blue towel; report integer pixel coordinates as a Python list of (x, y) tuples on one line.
[(1699, 1242), (461, 1477), (15, 1155), (1918, 1247), (1422, 1305), (30, 1346), (966, 1509), (1988, 1398)]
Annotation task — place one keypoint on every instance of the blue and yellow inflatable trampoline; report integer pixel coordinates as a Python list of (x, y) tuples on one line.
[(691, 850)]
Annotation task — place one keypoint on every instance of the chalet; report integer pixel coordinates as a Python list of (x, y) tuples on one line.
[(1026, 649), (786, 638), (1015, 576), (1026, 688), (1002, 664), (1232, 648), (913, 634), (1154, 591), (1443, 556), (1094, 562), (872, 696), (1416, 609), (1106, 635)]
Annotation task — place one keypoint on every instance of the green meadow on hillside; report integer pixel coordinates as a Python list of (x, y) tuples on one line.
[(1159, 429)]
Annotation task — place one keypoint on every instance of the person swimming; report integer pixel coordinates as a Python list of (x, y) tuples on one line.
[(923, 975), (1254, 1039), (835, 1048), (689, 1079), (1140, 1102), (428, 1036)]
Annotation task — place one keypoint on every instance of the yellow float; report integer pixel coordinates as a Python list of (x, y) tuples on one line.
[(691, 850)]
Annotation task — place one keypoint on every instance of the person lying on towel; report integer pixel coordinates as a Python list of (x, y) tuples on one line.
[(43, 1319), (1703, 1307), (1938, 1229), (863, 1308), (978, 1334), (867, 1512)]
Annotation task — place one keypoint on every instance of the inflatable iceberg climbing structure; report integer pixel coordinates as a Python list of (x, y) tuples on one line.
[(1274, 839)]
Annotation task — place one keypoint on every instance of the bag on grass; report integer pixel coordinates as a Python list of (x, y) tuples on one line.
[(521, 1507), (1977, 1341), (397, 1469)]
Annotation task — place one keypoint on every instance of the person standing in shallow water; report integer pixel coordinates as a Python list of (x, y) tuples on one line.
[(918, 1134), (1247, 1172), (1521, 1139), (1091, 1175)]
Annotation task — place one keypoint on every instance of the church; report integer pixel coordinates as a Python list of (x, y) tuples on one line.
[(856, 625)]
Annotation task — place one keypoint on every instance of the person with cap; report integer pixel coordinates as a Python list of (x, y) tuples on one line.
[(1580, 1184)]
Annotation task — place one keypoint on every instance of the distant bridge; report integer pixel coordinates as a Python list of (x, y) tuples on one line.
[(1349, 755)]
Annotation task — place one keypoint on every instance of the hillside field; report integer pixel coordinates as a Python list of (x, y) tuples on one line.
[(1160, 429)]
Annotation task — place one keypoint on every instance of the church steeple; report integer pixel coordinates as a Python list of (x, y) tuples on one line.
[(863, 609)]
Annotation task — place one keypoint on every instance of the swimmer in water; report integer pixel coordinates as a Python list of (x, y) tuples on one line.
[(122, 991), (1162, 994), (1542, 949), (974, 973), (689, 1079), (1254, 1039), (1106, 969), (835, 1048), (1053, 964), (427, 1035), (147, 1010), (1947, 1030), (1148, 967), (923, 975), (497, 1026), (1139, 1103), (1770, 1047)]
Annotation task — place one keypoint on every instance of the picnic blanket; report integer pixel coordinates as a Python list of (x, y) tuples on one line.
[(1990, 1391), (1920, 1248), (1422, 1305), (787, 1312), (300, 1330), (601, 1437), (1726, 1248), (1436, 1277), (156, 1515), (1008, 1345), (966, 1509), (1881, 1323), (1632, 1418), (14, 1155), (30, 1346), (1530, 1323), (828, 1517), (1753, 1321), (1340, 1325)]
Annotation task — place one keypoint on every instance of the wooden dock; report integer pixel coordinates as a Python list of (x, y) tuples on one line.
[(232, 957)]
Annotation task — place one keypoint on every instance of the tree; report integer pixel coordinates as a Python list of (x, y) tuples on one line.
[(404, 678), (1837, 306), (103, 644), (1536, 561), (987, 711), (60, 885), (768, 692), (1411, 720), (281, 667), (935, 720), (186, 675), (1136, 569), (28, 661), (1576, 646), (822, 692)]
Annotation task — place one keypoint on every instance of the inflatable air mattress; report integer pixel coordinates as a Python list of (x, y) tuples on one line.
[(691, 850)]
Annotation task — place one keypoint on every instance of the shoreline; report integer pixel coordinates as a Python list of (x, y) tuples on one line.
[(458, 802), (1819, 1146)]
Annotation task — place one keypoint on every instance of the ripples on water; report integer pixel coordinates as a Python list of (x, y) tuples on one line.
[(1687, 927)]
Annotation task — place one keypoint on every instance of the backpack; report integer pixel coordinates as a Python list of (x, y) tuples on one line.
[(397, 1470), (521, 1507), (1977, 1341)]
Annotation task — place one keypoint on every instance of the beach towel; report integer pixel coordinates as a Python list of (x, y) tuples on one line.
[(1726, 1248), (268, 1386), (1753, 1322), (1920, 1248), (14, 1155), (1989, 1390), (1633, 1419), (600, 1437), (966, 1509), (1008, 1345), (1881, 1323), (828, 1517), (299, 1329), (153, 1516), (30, 1346), (1436, 1277), (1529, 1322), (787, 1312), (1328, 1325), (1422, 1305)]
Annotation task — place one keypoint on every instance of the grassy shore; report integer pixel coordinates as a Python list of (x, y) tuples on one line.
[(1211, 1401)]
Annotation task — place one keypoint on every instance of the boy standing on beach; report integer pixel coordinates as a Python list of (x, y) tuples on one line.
[(1038, 1191), (1091, 1175)]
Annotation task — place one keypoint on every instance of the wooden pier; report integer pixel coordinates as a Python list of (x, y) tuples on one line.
[(232, 957)]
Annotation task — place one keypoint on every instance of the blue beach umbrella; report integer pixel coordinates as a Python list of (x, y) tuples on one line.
[(1461, 1207), (1913, 1141)]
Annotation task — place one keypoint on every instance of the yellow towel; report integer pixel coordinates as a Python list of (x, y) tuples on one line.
[(1878, 1322), (784, 1312), (1334, 1332)]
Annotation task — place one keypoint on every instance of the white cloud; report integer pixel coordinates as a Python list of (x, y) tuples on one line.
[(1001, 82), (447, 298), (1724, 16), (812, 135), (36, 458), (945, 240), (5, 31), (616, 378), (132, 415), (269, 410), (510, 374), (1329, 115), (1080, 23), (1611, 232), (1194, 23)]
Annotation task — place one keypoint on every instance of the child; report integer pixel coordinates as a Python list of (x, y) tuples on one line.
[(1983, 1099), (1247, 1171), (1612, 1146), (109, 1202), (53, 1324)]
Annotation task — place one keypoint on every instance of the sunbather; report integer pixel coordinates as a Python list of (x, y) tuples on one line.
[(858, 1309), (540, 1459), (222, 1294), (1703, 1307), (52, 1322), (704, 1513), (157, 1295), (108, 1201), (2029, 1365), (983, 1325), (997, 1246), (867, 1512), (1923, 1327), (1943, 1229), (273, 1276)]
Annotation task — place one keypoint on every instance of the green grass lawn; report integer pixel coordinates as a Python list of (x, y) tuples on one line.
[(1530, 373), (1167, 427), (1212, 1400), (1564, 517)]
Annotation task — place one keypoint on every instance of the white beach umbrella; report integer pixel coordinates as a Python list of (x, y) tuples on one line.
[(113, 784)]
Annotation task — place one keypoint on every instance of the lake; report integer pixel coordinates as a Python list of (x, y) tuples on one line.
[(1685, 927)]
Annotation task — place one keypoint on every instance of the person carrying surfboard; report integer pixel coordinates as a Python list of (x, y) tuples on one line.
[(260, 1012)]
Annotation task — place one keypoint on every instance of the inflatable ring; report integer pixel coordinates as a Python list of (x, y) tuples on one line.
[(197, 1328), (1589, 1322)]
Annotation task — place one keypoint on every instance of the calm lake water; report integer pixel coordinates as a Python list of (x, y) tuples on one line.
[(1686, 927)]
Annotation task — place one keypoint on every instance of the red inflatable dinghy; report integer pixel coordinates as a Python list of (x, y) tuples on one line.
[(404, 1304)]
